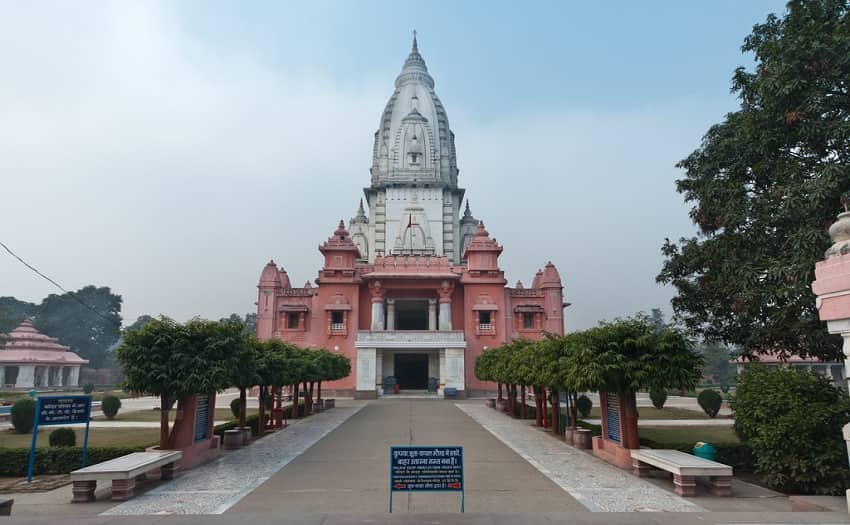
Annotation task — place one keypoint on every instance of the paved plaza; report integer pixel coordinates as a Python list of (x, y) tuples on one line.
[(333, 468)]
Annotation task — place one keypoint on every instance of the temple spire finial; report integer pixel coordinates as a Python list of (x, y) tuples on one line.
[(415, 45)]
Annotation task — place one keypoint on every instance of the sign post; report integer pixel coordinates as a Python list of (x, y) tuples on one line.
[(426, 469), (60, 410)]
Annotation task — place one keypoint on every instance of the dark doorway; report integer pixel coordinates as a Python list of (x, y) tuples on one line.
[(411, 314), (411, 371)]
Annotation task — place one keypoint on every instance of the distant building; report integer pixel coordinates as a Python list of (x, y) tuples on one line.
[(834, 370), (30, 359), (412, 292)]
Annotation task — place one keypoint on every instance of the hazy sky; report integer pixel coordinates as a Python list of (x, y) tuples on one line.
[(169, 150)]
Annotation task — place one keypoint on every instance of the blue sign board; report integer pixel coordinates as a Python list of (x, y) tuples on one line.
[(612, 417), (202, 418), (60, 410), (426, 469)]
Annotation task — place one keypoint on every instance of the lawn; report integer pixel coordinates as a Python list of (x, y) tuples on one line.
[(689, 434), (98, 437), (221, 414), (660, 413)]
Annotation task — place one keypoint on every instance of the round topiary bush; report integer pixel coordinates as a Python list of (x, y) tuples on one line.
[(110, 405), (63, 437), (710, 401), (88, 388), (792, 421), (724, 388), (583, 405), (658, 396), (23, 415), (234, 407)]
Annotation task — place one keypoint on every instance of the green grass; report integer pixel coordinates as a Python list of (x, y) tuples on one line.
[(646, 413), (98, 437), (221, 414), (689, 434)]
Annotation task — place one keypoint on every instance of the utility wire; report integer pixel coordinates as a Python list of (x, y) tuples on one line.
[(54, 283)]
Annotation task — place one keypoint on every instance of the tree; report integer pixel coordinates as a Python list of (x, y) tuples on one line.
[(765, 185), (244, 374), (88, 332), (140, 322), (13, 311), (718, 363), (173, 360)]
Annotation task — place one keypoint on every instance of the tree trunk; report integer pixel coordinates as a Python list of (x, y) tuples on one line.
[(573, 397), (522, 407), (295, 401), (538, 408), (499, 395), (243, 406), (556, 413), (544, 393), (163, 421), (261, 421), (310, 399), (319, 391)]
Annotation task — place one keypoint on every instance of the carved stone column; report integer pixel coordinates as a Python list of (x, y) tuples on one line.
[(432, 314), (390, 314), (377, 292), (445, 292)]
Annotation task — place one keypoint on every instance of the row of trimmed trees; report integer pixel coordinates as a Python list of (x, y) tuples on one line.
[(175, 360), (623, 356)]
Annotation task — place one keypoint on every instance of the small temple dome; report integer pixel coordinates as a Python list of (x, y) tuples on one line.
[(270, 275), (550, 277), (839, 232)]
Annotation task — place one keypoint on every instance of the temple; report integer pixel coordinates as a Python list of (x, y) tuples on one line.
[(30, 359), (411, 291)]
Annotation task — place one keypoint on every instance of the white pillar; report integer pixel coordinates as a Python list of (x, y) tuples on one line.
[(2, 377), (454, 367), (377, 314), (390, 314), (379, 369), (26, 376), (445, 315), (74, 378), (432, 314), (366, 367)]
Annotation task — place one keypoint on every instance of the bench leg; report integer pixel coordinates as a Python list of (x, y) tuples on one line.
[(639, 469), (84, 491), (168, 471), (122, 489), (721, 485), (685, 485)]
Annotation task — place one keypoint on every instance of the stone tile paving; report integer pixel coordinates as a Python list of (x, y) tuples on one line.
[(216, 486), (595, 484)]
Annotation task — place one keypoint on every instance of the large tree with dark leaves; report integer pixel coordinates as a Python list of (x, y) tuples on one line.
[(90, 328), (765, 185)]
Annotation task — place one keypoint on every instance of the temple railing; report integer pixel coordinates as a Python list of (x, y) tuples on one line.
[(410, 339)]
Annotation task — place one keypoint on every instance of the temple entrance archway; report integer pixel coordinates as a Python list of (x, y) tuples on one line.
[(411, 371)]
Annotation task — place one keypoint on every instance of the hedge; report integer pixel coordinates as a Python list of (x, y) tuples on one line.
[(61, 460)]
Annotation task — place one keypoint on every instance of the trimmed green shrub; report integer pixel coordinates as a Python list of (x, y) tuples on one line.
[(792, 420), (584, 405), (88, 388), (710, 401), (60, 460), (23, 415), (110, 405), (234, 407), (724, 388), (658, 396), (63, 437)]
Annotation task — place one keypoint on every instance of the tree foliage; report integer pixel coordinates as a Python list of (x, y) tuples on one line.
[(23, 415), (710, 402), (792, 421), (765, 184)]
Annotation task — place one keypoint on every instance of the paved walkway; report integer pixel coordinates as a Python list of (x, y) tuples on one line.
[(596, 484), (214, 487), (347, 471)]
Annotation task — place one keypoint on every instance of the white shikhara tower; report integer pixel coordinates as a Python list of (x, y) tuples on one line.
[(414, 201)]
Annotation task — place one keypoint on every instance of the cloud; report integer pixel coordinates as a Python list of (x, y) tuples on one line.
[(171, 169)]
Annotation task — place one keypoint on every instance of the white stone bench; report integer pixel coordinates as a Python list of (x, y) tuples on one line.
[(685, 469), (123, 472)]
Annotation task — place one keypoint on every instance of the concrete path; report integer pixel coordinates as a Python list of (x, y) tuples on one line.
[(347, 471), (597, 485), (214, 487)]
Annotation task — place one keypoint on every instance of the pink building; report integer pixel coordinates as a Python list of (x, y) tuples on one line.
[(413, 291)]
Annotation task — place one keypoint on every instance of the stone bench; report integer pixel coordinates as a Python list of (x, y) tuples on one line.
[(685, 469), (122, 472), (6, 507)]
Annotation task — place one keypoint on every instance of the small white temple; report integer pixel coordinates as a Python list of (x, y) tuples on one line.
[(30, 359)]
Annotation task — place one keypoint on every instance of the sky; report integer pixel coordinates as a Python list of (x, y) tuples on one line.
[(168, 150)]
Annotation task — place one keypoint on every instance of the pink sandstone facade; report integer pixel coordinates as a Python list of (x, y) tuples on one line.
[(414, 290)]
